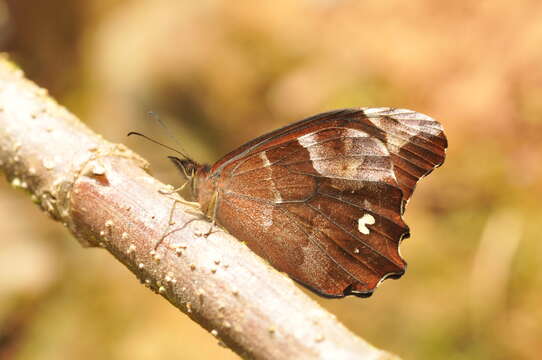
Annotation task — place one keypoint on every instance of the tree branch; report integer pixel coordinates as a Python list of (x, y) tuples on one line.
[(101, 193)]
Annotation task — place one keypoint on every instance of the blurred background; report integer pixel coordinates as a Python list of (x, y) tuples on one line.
[(221, 73)]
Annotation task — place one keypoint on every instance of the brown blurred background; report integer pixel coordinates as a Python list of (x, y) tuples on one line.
[(222, 72)]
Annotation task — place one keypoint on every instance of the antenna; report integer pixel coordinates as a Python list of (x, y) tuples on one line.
[(158, 143), (155, 116)]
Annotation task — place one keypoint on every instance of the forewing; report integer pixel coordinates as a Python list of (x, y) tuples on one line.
[(416, 143)]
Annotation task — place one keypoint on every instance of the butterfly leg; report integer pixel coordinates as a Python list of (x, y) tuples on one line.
[(170, 191), (212, 214), (198, 216), (212, 229), (173, 231), (193, 210)]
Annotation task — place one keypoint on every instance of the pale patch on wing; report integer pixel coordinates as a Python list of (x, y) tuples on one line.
[(355, 133), (395, 141), (375, 111), (416, 142), (400, 114), (267, 217), (307, 140), (347, 162), (366, 219), (265, 159), (276, 194), (414, 121)]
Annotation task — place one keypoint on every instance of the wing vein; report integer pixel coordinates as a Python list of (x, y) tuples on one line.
[(320, 247), (315, 242), (353, 236), (363, 209), (292, 153)]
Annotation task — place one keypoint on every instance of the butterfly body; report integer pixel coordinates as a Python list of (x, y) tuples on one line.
[(322, 199)]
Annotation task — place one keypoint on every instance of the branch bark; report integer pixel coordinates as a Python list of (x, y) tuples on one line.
[(101, 192)]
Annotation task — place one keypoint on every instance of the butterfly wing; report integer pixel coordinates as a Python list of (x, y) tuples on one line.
[(322, 199), (416, 143)]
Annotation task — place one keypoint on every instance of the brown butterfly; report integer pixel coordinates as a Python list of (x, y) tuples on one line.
[(321, 199)]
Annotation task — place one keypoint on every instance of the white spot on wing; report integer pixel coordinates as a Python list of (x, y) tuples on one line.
[(366, 219)]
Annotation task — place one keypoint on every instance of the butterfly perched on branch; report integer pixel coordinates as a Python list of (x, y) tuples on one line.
[(322, 199)]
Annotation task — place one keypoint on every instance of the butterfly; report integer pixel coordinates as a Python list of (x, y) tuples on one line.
[(322, 199)]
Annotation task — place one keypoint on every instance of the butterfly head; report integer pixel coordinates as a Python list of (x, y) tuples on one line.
[(192, 172)]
